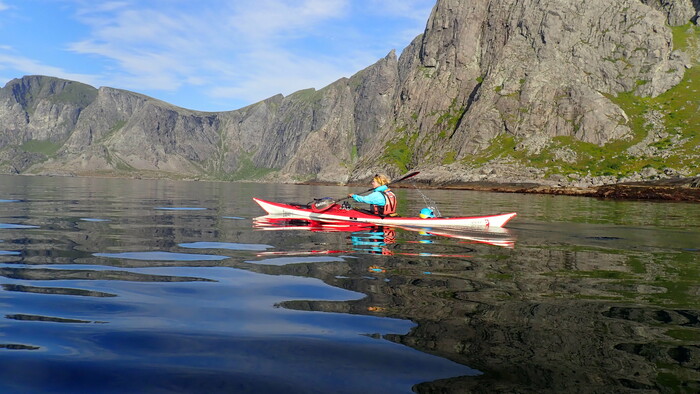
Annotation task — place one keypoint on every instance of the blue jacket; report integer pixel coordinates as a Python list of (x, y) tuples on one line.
[(374, 198)]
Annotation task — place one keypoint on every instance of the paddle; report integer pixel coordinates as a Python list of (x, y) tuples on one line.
[(326, 203)]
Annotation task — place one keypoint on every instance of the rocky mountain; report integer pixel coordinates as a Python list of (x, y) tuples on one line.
[(513, 91)]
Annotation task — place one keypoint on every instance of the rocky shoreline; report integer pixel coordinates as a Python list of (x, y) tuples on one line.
[(671, 189), (686, 189), (622, 191)]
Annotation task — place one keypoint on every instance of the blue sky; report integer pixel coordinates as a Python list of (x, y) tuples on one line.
[(207, 55)]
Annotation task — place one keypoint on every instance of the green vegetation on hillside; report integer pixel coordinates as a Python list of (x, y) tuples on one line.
[(112, 131), (46, 148), (73, 93), (118, 163), (679, 110), (247, 170), (449, 120), (77, 94), (310, 96), (353, 153), (400, 152)]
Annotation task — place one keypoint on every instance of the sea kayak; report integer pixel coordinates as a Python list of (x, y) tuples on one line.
[(497, 236), (337, 212)]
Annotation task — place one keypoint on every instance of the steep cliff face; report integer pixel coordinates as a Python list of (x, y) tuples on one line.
[(504, 91), (42, 108), (311, 134), (125, 131), (678, 12), (527, 72), (37, 114), (307, 134), (344, 120)]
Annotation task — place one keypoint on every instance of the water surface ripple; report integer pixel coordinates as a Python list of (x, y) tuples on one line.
[(112, 285)]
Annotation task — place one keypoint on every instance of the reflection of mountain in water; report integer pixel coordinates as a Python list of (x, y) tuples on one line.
[(532, 319), (537, 318), (15, 346), (550, 315), (56, 291), (23, 317), (57, 274)]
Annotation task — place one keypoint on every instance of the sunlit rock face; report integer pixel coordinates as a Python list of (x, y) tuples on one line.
[(482, 73)]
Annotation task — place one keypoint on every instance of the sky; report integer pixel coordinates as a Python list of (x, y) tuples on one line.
[(205, 55)]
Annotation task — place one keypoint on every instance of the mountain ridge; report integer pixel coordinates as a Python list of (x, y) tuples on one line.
[(551, 93)]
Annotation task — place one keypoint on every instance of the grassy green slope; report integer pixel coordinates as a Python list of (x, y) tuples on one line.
[(679, 110)]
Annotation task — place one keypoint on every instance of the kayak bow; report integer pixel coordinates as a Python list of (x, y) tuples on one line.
[(336, 212)]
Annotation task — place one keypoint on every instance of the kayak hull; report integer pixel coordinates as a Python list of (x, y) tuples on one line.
[(336, 212), (497, 236)]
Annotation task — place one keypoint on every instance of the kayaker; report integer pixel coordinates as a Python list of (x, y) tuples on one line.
[(382, 200)]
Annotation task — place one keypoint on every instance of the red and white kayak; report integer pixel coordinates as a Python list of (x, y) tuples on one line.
[(497, 236), (336, 212)]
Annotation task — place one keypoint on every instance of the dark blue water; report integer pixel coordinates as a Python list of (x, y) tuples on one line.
[(111, 285)]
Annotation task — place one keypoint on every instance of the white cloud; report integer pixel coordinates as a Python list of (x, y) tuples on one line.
[(244, 50), (165, 48), (150, 49), (266, 73), (271, 18), (3, 6)]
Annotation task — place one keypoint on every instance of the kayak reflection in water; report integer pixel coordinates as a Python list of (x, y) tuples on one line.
[(382, 200), (375, 240)]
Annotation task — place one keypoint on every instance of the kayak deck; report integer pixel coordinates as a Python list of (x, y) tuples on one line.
[(336, 212)]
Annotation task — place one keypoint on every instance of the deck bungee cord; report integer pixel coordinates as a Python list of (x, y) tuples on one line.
[(430, 204)]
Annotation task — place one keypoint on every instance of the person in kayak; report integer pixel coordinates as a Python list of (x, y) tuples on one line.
[(382, 200)]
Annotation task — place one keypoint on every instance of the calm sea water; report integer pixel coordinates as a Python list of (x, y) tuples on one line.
[(113, 285)]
